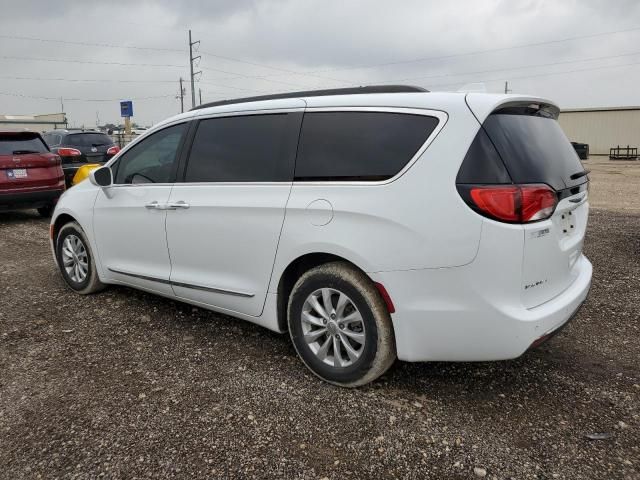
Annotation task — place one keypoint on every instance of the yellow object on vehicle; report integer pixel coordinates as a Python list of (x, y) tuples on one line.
[(83, 172)]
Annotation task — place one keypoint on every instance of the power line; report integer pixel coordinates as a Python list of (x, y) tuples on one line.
[(89, 44), (294, 72), (36, 59), (526, 77), (233, 88), (262, 65), (255, 77), (591, 59), (158, 49), (20, 95), (476, 52), (80, 80), (89, 62), (106, 80)]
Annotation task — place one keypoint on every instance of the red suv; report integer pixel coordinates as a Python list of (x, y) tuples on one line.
[(30, 175)]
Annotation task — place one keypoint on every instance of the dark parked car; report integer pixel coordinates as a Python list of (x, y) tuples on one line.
[(582, 149), (30, 175), (80, 147)]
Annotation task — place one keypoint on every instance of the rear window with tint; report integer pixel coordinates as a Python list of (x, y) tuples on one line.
[(87, 140), (21, 143), (344, 146), (534, 149)]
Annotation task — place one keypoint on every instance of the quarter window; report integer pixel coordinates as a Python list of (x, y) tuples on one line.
[(248, 148), (52, 139), (343, 146), (152, 160)]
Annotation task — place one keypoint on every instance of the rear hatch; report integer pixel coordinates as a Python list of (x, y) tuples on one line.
[(535, 151), (92, 145), (26, 162)]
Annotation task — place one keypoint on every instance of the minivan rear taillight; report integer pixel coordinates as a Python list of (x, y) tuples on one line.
[(113, 150), (511, 203)]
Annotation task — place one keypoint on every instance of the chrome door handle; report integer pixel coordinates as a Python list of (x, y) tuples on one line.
[(180, 204), (158, 206)]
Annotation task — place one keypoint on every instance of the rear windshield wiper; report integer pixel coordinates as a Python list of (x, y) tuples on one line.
[(98, 144), (578, 175), (24, 152)]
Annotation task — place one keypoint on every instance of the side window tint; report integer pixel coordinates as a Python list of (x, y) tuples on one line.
[(249, 148), (153, 159), (343, 146)]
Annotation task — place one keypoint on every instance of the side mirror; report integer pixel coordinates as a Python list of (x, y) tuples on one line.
[(101, 177)]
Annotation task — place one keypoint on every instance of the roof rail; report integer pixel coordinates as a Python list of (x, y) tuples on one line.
[(318, 93)]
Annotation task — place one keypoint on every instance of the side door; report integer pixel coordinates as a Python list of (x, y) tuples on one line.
[(129, 217), (224, 234)]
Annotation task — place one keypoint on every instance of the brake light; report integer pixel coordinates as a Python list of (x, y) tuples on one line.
[(514, 203), (113, 150), (69, 152)]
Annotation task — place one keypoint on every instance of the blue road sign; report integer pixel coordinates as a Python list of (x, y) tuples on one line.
[(126, 108)]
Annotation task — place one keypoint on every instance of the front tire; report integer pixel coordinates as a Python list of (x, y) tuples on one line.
[(75, 260), (340, 326)]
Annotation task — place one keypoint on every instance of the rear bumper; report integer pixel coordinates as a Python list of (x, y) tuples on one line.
[(29, 199), (444, 315)]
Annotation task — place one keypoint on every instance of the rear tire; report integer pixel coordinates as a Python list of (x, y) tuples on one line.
[(340, 326), (76, 261), (46, 211)]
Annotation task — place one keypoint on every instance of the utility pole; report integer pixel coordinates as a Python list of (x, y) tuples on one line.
[(61, 105), (200, 95), (191, 60), (506, 88), (181, 96)]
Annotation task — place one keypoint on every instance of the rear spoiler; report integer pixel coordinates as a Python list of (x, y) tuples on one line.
[(482, 105)]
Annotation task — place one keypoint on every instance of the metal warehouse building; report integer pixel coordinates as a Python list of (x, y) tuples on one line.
[(37, 123), (602, 128)]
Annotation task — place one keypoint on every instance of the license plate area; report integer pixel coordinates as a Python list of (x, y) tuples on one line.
[(568, 223), (17, 173)]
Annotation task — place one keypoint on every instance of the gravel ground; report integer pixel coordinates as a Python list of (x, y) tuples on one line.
[(614, 184), (127, 385)]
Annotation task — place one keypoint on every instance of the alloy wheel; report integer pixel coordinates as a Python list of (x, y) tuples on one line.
[(74, 258), (333, 327)]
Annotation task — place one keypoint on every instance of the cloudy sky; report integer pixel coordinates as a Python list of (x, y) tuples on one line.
[(581, 53)]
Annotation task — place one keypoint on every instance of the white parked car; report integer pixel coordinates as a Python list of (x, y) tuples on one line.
[(369, 223)]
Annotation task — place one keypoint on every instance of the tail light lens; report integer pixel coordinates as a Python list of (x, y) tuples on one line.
[(113, 150), (512, 203), (69, 152)]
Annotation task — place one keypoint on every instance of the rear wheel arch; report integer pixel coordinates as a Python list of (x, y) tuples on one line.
[(295, 270)]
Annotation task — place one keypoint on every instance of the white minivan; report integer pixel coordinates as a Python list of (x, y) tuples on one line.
[(370, 223)]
